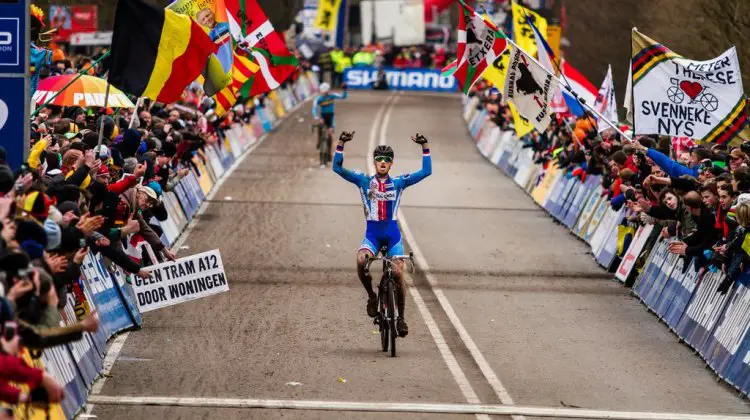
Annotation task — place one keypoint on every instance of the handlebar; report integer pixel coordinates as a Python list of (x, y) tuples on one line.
[(369, 260)]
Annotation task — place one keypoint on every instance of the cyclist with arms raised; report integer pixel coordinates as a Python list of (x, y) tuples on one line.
[(323, 111), (381, 195)]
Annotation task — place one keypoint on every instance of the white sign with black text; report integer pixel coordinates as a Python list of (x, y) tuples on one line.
[(186, 279), (687, 98)]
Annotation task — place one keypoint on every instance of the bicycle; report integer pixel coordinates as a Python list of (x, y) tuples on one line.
[(325, 141), (387, 306)]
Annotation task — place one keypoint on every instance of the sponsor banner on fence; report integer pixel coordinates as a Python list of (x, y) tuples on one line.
[(186, 279), (587, 213), (722, 347), (703, 312), (425, 80), (113, 314), (633, 252)]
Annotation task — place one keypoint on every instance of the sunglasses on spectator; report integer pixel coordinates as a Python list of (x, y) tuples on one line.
[(384, 159)]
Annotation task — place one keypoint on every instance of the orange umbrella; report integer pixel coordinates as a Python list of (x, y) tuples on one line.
[(86, 91)]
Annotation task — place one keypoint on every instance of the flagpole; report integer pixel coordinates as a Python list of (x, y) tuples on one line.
[(138, 103), (101, 124), (569, 87), (580, 100)]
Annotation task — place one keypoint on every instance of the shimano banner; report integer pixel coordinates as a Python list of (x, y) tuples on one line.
[(426, 80)]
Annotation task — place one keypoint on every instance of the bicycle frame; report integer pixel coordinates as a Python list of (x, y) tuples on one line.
[(388, 312)]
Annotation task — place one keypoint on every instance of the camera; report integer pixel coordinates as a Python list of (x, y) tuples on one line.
[(630, 195)]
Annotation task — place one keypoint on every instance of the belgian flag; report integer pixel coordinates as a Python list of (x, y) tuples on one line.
[(156, 52)]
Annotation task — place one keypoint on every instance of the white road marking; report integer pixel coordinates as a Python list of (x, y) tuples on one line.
[(434, 408), (450, 360), (114, 350), (484, 366)]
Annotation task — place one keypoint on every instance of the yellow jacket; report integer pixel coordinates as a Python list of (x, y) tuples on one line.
[(35, 153), (344, 63)]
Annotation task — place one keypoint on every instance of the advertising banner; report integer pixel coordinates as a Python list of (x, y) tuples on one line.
[(113, 315), (703, 312), (73, 19), (421, 80), (634, 251)]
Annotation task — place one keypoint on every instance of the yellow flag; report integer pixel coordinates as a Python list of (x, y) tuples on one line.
[(523, 126), (495, 74), (522, 30), (328, 15), (746, 244)]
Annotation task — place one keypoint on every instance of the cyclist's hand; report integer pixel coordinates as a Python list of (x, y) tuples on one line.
[(321, 121), (419, 139), (346, 136)]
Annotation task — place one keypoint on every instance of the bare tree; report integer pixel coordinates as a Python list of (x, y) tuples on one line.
[(729, 23)]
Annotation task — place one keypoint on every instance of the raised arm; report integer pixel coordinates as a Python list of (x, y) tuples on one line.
[(343, 95), (338, 160), (316, 108), (413, 178)]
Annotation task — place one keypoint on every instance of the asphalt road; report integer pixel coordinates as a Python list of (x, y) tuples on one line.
[(513, 308)]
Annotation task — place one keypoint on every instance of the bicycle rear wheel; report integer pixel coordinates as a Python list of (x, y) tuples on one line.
[(383, 321), (392, 316)]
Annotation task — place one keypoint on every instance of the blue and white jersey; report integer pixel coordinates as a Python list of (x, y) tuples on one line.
[(381, 197), (324, 104)]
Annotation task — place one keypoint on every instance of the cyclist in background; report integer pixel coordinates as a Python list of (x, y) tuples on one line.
[(380, 195), (323, 112)]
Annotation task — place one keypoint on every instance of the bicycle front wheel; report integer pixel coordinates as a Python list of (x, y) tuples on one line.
[(392, 316), (383, 322)]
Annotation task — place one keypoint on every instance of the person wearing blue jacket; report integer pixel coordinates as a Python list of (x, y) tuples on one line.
[(672, 167)]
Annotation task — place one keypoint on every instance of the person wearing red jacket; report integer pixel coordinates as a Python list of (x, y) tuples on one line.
[(13, 369)]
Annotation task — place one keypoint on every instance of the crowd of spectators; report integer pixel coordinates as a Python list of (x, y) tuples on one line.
[(697, 196), (78, 194), (333, 62)]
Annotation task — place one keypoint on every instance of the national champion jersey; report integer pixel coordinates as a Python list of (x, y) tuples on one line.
[(381, 197)]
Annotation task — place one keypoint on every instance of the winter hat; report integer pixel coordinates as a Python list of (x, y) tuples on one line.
[(65, 192), (54, 214), (7, 180), (143, 147), (54, 235), (29, 230), (110, 128), (71, 240), (37, 204), (67, 206), (156, 187), (131, 140), (168, 150), (33, 249)]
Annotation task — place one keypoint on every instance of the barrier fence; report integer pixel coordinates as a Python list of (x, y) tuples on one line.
[(716, 325), (103, 287)]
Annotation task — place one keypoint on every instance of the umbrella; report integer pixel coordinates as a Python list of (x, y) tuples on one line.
[(86, 91)]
